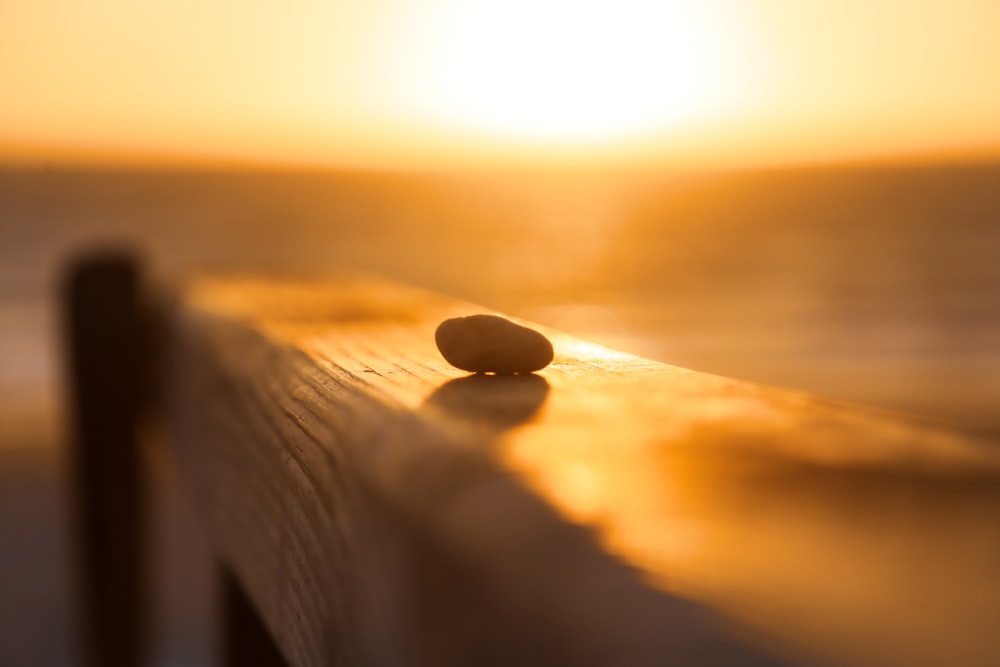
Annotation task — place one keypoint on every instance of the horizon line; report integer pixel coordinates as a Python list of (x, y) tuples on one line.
[(25, 158)]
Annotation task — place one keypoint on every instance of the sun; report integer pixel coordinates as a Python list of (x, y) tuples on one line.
[(568, 70)]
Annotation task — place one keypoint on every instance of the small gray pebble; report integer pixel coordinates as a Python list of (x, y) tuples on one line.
[(491, 344)]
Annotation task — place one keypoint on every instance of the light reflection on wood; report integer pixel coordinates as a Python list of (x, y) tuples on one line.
[(841, 533)]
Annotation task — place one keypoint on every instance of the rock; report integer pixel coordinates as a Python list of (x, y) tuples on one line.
[(491, 344)]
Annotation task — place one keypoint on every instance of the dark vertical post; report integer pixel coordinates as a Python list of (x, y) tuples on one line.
[(246, 642), (105, 363)]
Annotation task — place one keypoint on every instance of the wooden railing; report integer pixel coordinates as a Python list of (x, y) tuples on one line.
[(372, 505)]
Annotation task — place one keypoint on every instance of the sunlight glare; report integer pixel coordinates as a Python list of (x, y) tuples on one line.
[(566, 71)]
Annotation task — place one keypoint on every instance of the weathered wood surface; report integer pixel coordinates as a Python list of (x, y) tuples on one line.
[(383, 508)]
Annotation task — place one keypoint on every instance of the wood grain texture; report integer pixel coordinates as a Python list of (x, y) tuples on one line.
[(383, 508)]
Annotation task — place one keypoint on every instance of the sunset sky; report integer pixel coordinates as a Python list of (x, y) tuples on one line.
[(390, 83)]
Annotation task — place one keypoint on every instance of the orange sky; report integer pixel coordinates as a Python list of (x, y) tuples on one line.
[(388, 83)]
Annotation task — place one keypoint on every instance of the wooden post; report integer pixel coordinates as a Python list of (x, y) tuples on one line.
[(245, 640), (105, 361)]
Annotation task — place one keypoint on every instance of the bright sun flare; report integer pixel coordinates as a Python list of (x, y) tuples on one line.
[(569, 70)]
